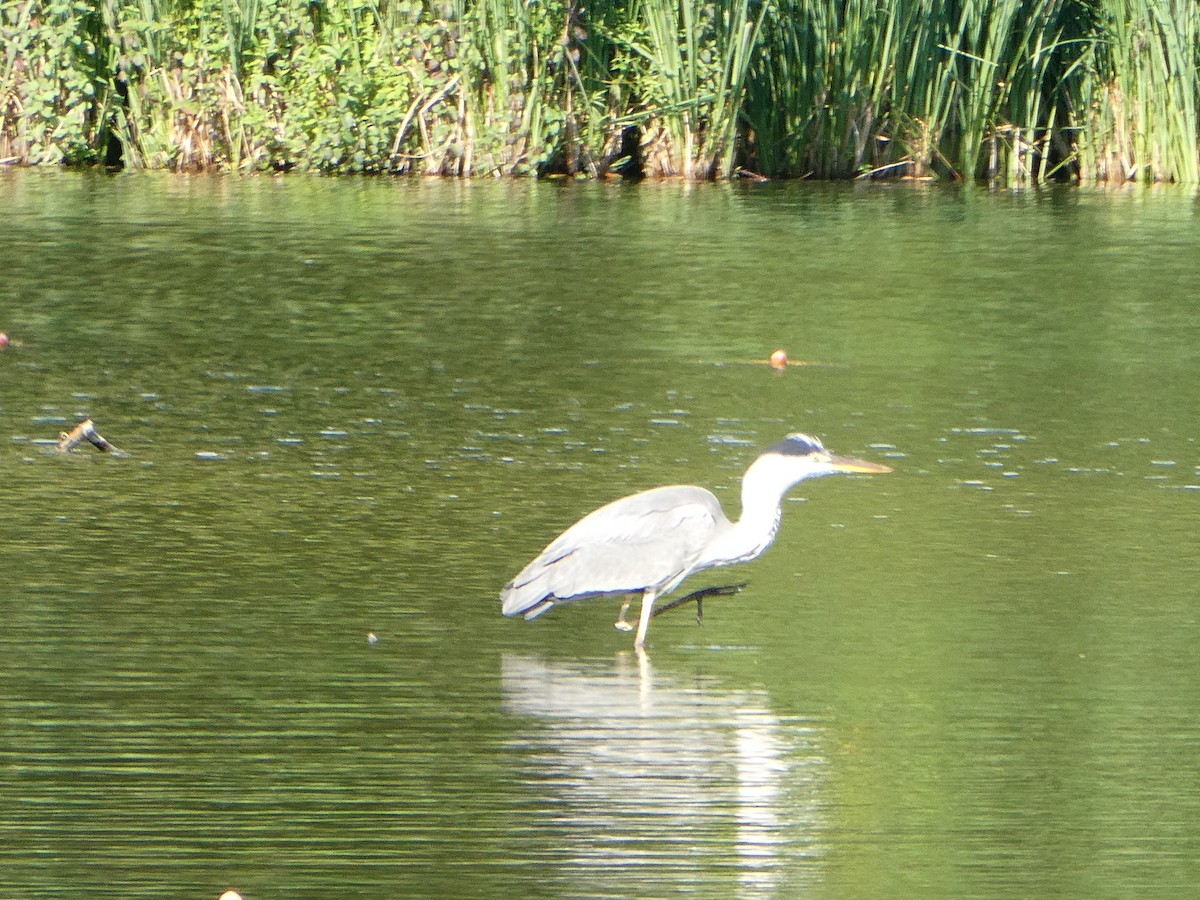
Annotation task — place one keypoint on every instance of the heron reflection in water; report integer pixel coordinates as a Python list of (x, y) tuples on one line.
[(633, 775), (648, 543)]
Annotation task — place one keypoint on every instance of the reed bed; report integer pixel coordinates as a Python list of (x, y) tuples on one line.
[(1006, 91)]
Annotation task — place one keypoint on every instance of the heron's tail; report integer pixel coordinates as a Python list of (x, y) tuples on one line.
[(524, 600)]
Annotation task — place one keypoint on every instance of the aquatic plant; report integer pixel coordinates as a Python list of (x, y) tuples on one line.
[(689, 63), (1013, 91), (1135, 90)]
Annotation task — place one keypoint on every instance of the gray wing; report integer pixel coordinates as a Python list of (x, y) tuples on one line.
[(649, 540)]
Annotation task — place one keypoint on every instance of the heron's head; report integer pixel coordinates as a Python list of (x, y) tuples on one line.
[(801, 456)]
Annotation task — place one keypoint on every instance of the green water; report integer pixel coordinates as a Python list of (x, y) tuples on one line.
[(357, 408)]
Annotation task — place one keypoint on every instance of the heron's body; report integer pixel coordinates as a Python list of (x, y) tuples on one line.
[(648, 543)]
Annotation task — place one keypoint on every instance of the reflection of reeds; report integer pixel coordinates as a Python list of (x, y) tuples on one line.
[(1005, 90)]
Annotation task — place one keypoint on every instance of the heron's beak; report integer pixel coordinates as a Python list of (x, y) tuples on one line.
[(858, 466)]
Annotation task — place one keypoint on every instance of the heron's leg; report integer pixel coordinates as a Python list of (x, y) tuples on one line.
[(621, 624), (719, 591), (647, 614)]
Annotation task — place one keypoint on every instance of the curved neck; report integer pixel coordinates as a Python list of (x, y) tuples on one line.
[(763, 491)]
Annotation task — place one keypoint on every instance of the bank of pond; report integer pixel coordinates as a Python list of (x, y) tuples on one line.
[(1007, 91)]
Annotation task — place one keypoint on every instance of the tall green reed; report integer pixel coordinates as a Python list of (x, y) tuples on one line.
[(1137, 92), (691, 62), (912, 87)]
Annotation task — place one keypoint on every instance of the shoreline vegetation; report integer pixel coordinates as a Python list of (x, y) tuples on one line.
[(1009, 93)]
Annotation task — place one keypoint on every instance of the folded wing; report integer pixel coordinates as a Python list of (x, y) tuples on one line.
[(649, 540)]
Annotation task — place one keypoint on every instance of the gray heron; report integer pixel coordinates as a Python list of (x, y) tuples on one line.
[(648, 543)]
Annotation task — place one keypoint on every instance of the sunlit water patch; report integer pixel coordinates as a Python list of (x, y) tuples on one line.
[(646, 784)]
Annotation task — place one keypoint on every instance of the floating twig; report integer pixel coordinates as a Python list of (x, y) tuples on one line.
[(753, 176), (86, 431)]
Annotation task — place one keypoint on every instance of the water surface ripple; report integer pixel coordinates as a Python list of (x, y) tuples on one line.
[(263, 649)]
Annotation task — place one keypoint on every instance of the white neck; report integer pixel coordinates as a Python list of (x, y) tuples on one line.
[(764, 486)]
